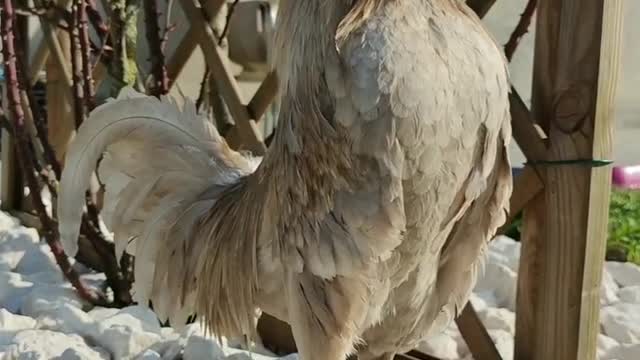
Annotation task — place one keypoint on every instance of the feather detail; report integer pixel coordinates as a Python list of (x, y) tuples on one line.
[(164, 169), (126, 119)]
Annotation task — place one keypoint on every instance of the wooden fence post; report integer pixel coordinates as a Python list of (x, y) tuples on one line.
[(59, 111), (10, 183), (575, 71)]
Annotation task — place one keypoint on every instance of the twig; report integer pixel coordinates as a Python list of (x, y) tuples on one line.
[(169, 27), (96, 19), (49, 153), (203, 87), (154, 38), (92, 216), (76, 67), (85, 50), (105, 48), (27, 161), (521, 29), (232, 8), (97, 247), (104, 34), (104, 29), (118, 277)]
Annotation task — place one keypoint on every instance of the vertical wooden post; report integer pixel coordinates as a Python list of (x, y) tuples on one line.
[(59, 112), (600, 189), (575, 71), (533, 225), (10, 183)]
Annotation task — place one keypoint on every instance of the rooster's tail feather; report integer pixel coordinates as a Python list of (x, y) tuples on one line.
[(159, 163)]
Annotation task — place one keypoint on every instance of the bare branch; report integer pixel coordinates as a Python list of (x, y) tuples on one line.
[(96, 19), (76, 67), (85, 52), (27, 161), (225, 30), (154, 38), (521, 29)]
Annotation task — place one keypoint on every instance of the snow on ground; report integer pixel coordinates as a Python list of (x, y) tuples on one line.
[(42, 318), (494, 299)]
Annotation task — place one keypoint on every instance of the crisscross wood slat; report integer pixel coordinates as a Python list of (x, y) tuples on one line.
[(227, 85)]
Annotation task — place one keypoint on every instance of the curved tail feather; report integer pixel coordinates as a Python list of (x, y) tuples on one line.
[(159, 164)]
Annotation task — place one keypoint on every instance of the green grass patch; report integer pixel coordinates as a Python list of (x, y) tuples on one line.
[(623, 242), (624, 224)]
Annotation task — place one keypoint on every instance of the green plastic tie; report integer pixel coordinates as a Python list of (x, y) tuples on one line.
[(588, 162)]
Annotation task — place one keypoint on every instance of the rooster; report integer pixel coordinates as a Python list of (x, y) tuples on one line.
[(364, 225)]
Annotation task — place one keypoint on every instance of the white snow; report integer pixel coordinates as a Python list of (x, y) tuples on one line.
[(504, 342), (13, 322), (443, 346), (605, 345), (630, 294), (499, 319), (41, 317), (625, 274), (621, 321), (46, 344), (623, 352), (197, 344), (608, 289), (497, 282)]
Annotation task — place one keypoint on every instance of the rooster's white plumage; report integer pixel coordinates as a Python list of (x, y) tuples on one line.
[(365, 223)]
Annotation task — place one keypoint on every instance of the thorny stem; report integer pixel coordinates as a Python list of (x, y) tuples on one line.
[(85, 51), (154, 37), (76, 69), (203, 87), (96, 19), (27, 161), (94, 251), (232, 8), (91, 220), (117, 277), (169, 27), (521, 29), (51, 180)]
